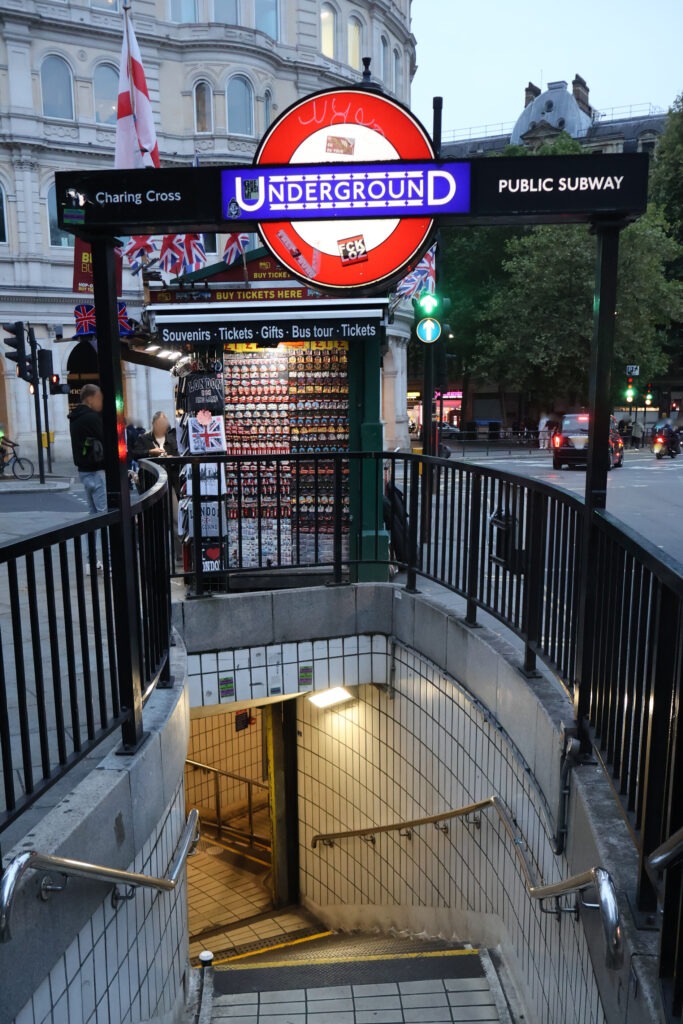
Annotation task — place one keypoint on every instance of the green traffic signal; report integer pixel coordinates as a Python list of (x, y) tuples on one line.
[(428, 305)]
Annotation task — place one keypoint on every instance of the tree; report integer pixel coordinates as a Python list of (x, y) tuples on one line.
[(535, 333), (666, 182)]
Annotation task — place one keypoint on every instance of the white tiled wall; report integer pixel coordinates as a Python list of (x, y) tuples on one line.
[(127, 965), (223, 677), (214, 740), (426, 750)]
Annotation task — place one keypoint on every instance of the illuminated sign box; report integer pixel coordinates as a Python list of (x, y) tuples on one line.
[(392, 189)]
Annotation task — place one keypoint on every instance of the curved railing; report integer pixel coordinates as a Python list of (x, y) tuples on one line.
[(601, 607), (64, 668)]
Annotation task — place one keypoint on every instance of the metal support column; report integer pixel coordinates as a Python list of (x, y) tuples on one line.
[(602, 346), (126, 605)]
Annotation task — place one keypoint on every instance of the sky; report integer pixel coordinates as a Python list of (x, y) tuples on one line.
[(480, 56)]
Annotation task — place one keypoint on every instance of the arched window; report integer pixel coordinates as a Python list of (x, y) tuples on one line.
[(57, 88), (266, 17), (106, 83), (383, 58), (355, 36), (225, 11), (397, 83), (240, 106), (267, 108), (3, 216), (328, 29), (184, 11), (57, 236), (203, 113)]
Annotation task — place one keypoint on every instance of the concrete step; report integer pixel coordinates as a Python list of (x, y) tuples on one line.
[(358, 979)]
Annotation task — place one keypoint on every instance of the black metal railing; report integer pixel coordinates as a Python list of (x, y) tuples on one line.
[(511, 547), (60, 653)]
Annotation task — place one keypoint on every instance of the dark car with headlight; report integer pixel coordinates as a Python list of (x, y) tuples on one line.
[(570, 443)]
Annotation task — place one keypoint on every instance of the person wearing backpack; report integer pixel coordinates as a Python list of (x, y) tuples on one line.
[(87, 446)]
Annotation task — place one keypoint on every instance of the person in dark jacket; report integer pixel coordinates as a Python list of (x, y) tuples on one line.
[(87, 446), (158, 442)]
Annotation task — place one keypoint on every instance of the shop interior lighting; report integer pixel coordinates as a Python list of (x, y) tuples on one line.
[(328, 698)]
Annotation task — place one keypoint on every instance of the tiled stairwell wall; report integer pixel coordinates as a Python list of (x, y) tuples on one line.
[(216, 740), (426, 749)]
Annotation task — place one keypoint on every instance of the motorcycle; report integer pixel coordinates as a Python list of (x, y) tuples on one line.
[(663, 445)]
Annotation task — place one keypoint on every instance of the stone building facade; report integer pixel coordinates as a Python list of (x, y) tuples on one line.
[(218, 72)]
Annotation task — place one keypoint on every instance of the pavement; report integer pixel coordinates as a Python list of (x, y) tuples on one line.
[(63, 475)]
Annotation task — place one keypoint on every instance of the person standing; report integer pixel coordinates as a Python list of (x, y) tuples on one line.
[(87, 446), (637, 432)]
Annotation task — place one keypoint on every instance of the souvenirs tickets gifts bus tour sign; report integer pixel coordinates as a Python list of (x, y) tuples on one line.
[(379, 197)]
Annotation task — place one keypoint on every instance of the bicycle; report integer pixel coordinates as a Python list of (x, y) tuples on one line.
[(22, 468)]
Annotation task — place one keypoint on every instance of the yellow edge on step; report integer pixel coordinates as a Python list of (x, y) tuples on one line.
[(269, 949), (336, 959)]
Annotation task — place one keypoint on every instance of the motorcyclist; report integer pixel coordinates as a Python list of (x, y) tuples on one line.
[(672, 439)]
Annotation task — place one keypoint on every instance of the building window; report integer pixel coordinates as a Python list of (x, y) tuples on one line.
[(225, 11), (328, 29), (355, 35), (3, 216), (240, 106), (106, 83), (105, 5), (184, 11), (268, 108), (57, 236), (57, 88), (397, 72), (266, 17), (383, 58), (210, 240), (203, 114)]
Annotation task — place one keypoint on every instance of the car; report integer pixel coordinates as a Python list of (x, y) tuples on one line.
[(448, 430), (570, 443)]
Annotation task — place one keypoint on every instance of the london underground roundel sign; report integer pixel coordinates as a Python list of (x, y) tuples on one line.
[(351, 126)]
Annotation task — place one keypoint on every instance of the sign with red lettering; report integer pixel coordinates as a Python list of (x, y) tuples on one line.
[(351, 126)]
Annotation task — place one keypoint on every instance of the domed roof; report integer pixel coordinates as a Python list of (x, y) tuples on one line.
[(558, 108)]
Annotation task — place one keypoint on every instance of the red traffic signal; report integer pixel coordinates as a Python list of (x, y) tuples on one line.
[(56, 388)]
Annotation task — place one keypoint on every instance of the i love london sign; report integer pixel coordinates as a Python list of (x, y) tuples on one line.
[(345, 191)]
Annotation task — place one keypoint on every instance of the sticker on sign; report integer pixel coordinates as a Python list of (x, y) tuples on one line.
[(633, 371)]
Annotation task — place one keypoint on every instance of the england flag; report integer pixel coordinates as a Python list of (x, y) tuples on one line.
[(136, 140)]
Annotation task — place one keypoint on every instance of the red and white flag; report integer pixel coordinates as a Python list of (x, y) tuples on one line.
[(136, 139), (171, 254), (235, 245)]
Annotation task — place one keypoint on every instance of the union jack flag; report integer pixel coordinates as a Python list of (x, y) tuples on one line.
[(138, 249), (208, 437), (171, 255), (235, 245), (125, 326), (420, 280), (194, 253), (84, 315)]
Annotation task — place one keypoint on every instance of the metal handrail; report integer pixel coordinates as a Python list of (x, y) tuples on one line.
[(250, 783), (595, 877), (34, 861), (668, 854)]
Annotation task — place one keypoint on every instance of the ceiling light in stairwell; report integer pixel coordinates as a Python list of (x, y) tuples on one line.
[(328, 698)]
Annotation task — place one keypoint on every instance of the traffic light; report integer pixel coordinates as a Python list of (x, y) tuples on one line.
[(55, 387), (44, 363), (648, 395), (429, 311), (630, 391), (19, 345)]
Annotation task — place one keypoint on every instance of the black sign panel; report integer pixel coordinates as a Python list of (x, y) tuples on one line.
[(558, 188), (527, 189), (266, 332)]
